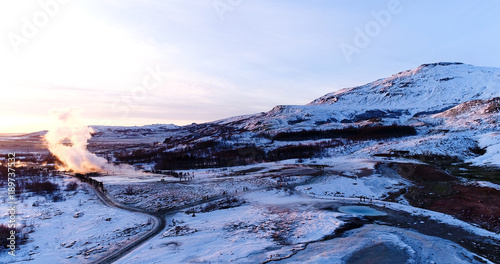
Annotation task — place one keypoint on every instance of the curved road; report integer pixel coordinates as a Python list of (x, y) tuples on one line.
[(159, 224)]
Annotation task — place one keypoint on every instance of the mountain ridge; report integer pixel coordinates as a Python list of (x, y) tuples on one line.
[(428, 89)]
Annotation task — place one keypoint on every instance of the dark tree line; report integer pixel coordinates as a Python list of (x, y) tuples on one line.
[(351, 133), (209, 158), (138, 155), (237, 156)]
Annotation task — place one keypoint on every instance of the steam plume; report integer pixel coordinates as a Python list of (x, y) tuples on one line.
[(68, 142)]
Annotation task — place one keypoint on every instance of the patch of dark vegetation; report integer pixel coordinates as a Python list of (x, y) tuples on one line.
[(352, 133), (436, 191), (42, 187), (375, 115), (210, 157), (71, 187), (215, 155), (439, 191), (478, 151), (179, 230), (424, 113), (35, 172), (393, 196), (291, 152), (431, 184), (440, 64), (491, 174), (50, 159), (480, 205), (129, 190), (422, 173), (31, 163), (3, 173), (5, 233), (494, 106), (138, 155), (33, 179), (57, 197), (455, 166), (319, 123)]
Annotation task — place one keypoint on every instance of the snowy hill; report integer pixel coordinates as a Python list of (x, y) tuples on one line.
[(132, 132), (428, 89), (454, 106)]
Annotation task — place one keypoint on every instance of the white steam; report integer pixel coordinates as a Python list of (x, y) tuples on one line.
[(68, 142)]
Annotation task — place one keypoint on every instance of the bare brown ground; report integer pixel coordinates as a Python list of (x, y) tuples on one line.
[(438, 191)]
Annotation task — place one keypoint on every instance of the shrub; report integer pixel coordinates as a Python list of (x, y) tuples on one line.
[(57, 197), (129, 190), (5, 233), (45, 187), (478, 151), (72, 186)]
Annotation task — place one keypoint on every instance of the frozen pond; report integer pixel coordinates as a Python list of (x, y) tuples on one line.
[(360, 210)]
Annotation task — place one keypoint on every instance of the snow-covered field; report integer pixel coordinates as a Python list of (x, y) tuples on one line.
[(75, 230), (281, 225), (375, 186), (276, 225), (251, 233)]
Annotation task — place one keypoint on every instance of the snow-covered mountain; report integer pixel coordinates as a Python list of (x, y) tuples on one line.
[(426, 90), (455, 108)]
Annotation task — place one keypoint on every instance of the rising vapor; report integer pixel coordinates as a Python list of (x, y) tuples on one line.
[(68, 142)]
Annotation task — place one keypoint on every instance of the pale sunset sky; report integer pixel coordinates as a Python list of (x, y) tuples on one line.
[(138, 62)]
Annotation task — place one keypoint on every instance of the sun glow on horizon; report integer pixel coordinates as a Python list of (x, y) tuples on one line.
[(95, 55)]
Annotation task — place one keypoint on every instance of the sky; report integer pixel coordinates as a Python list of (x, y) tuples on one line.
[(139, 62)]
